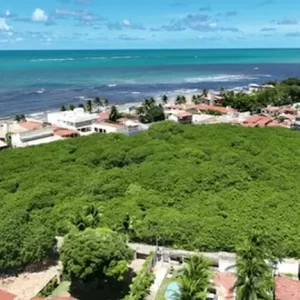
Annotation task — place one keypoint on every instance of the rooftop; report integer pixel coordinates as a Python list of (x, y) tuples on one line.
[(221, 109), (257, 120), (63, 132), (114, 125), (286, 288), (76, 115), (183, 114), (31, 125), (6, 295)]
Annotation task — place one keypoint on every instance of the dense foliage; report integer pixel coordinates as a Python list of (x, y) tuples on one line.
[(254, 273), (139, 289), (100, 254), (195, 187), (194, 280), (285, 92), (150, 112)]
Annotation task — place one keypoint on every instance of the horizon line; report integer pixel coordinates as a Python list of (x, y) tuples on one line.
[(147, 49)]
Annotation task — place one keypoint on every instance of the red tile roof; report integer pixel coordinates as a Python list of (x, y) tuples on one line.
[(226, 281), (175, 106), (4, 295), (103, 116), (257, 120), (221, 109), (287, 289), (31, 125), (183, 114), (63, 132)]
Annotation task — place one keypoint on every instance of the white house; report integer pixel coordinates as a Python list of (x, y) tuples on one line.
[(76, 119), (105, 127), (33, 137)]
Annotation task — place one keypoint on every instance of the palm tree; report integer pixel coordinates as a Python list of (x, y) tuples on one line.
[(205, 92), (89, 217), (89, 106), (180, 100), (114, 114), (20, 118), (63, 108), (254, 274), (105, 102), (71, 107), (222, 91), (97, 102), (196, 99), (194, 280), (165, 99)]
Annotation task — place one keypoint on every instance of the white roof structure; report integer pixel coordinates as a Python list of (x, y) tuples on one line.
[(2, 144)]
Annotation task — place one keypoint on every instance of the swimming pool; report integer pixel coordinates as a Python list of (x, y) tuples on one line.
[(172, 290)]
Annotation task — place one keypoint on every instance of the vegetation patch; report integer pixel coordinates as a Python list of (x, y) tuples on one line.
[(194, 187)]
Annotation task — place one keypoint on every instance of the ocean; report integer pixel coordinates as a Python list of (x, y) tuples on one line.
[(39, 81)]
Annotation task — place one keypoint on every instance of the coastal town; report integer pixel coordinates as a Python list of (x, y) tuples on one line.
[(159, 271), (203, 108)]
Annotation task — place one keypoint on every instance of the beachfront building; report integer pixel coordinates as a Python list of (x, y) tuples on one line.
[(126, 127), (33, 137), (182, 117), (76, 119)]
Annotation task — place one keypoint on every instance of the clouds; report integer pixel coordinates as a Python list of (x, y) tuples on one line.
[(268, 29), (205, 8), (126, 37), (123, 25), (293, 34), (39, 15), (286, 22), (3, 25), (197, 22), (265, 2)]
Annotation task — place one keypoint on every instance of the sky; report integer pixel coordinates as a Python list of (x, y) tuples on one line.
[(145, 24)]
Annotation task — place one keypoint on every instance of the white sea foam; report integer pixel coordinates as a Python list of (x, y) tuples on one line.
[(41, 91), (135, 93), (96, 58), (112, 85), (123, 57), (52, 59), (221, 78)]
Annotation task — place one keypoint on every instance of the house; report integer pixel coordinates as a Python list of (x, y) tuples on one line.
[(34, 137), (3, 145), (271, 110), (260, 120), (128, 128), (296, 124), (31, 125), (4, 295), (220, 109), (183, 117), (76, 119), (285, 288), (212, 99)]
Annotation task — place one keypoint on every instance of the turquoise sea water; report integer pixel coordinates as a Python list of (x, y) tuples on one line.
[(33, 81)]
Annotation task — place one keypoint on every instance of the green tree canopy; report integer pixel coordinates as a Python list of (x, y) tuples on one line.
[(195, 279), (95, 253)]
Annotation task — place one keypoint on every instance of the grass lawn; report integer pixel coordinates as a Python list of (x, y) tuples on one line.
[(61, 289), (161, 292)]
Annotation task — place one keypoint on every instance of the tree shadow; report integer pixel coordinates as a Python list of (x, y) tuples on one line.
[(107, 291)]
